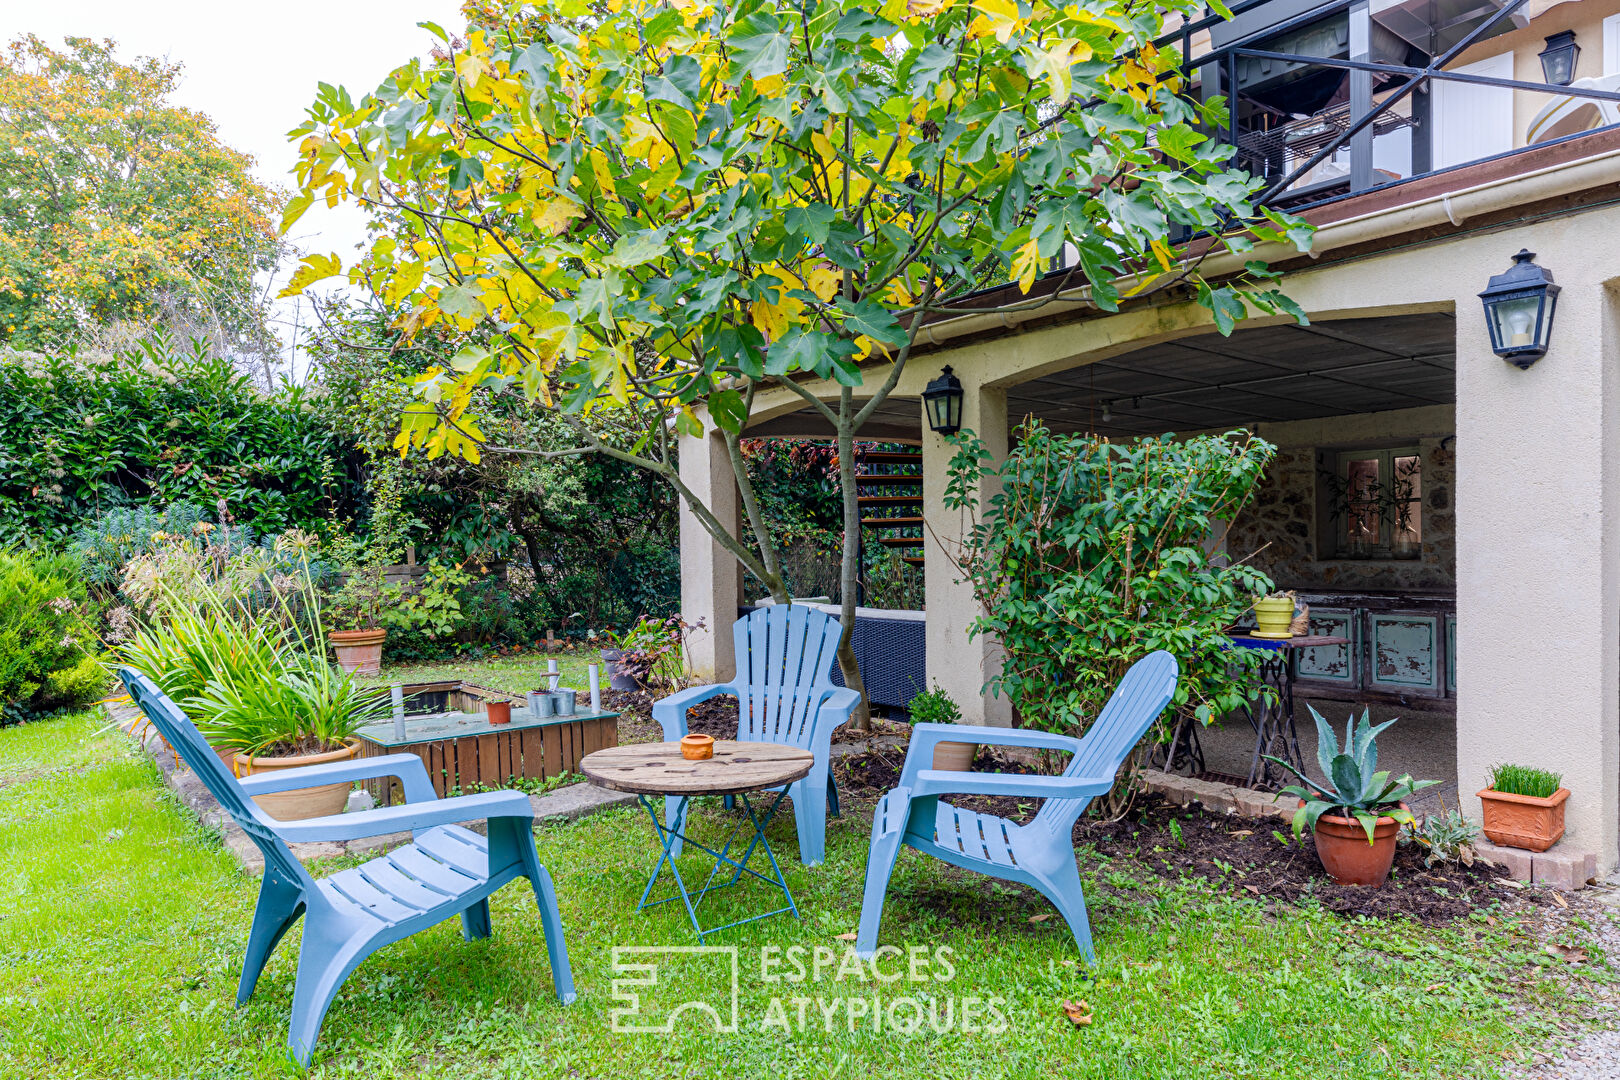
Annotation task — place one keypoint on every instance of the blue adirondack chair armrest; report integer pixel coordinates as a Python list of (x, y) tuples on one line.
[(1020, 785), (671, 711), (924, 737), (409, 817), (408, 768), (840, 701)]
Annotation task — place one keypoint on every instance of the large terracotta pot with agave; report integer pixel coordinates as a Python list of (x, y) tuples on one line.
[(1341, 844), (311, 802), (359, 651)]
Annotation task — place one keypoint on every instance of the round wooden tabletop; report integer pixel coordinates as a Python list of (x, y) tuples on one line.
[(659, 769)]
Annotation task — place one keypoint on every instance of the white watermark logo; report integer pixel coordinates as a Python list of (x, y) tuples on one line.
[(643, 971), (820, 988)]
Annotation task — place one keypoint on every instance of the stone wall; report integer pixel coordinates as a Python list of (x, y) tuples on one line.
[(1289, 526)]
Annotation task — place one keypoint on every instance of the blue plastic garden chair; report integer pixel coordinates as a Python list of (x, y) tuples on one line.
[(785, 694), (1040, 854), (447, 869)]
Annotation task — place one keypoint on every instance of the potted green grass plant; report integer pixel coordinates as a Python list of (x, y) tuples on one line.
[(1524, 807), (936, 707), (1356, 811)]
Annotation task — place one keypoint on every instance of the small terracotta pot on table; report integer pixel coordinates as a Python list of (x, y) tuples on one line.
[(499, 712), (697, 747)]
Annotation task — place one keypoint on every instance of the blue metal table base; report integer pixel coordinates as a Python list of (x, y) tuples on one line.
[(671, 832)]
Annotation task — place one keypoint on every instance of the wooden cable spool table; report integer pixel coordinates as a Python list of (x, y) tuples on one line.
[(737, 768)]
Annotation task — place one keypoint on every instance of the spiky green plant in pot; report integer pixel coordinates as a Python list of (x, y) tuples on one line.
[(1353, 786)]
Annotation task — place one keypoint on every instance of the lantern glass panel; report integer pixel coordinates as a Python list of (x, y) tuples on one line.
[(1514, 321)]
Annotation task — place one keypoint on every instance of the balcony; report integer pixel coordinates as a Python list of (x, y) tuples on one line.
[(1329, 100)]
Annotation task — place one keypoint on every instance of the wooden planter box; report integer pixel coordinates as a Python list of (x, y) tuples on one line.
[(462, 750)]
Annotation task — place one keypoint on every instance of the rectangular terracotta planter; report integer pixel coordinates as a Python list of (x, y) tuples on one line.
[(1524, 821)]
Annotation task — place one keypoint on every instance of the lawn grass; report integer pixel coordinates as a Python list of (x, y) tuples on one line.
[(517, 674), (122, 924)]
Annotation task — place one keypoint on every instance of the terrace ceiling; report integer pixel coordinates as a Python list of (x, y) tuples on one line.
[(1263, 375)]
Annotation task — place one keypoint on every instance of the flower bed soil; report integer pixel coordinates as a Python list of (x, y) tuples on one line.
[(1242, 855), (717, 717)]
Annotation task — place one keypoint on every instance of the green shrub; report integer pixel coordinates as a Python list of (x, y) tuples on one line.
[(934, 707), (45, 631), (1093, 555), (82, 436), (1524, 780), (84, 681)]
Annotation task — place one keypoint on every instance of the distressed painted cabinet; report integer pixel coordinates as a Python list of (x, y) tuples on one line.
[(1402, 649)]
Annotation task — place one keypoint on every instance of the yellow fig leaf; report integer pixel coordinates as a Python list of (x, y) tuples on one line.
[(1025, 265), (314, 268), (1000, 17), (1161, 252), (823, 146), (553, 215), (602, 170), (823, 280)]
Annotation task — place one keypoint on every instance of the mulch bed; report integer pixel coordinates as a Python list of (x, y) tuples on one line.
[(1242, 855), (717, 717)]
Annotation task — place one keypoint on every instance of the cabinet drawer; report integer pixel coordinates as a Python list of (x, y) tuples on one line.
[(1404, 653)]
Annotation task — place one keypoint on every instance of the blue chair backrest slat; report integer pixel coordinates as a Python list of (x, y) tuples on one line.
[(1136, 702), (785, 654), (181, 734)]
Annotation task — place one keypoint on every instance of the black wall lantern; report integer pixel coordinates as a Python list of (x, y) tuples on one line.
[(943, 397), (1519, 305), (1558, 58)]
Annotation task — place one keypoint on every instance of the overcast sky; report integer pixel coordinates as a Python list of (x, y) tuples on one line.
[(254, 67)]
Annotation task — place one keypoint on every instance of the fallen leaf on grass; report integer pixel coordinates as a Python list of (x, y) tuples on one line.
[(1253, 888), (1566, 953), (1558, 899), (1035, 919), (1078, 1012), (1510, 882), (1241, 832), (1490, 920), (845, 937)]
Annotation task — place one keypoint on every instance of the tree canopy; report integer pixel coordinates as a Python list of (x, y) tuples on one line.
[(117, 204), (650, 205)]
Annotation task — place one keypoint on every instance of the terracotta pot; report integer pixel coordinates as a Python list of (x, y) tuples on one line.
[(300, 803), (499, 712), (1274, 615), (697, 747), (955, 756), (1341, 844), (1524, 821), (359, 651)]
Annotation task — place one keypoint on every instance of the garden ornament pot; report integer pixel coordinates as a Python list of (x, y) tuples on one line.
[(697, 747), (1524, 821), (955, 756), (311, 802), (541, 703), (617, 678), (564, 701), (1341, 844), (1273, 616), (499, 712), (359, 651)]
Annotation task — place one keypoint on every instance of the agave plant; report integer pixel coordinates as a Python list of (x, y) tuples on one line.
[(1353, 786)]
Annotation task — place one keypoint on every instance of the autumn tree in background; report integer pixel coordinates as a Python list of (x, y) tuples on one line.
[(116, 205), (652, 211)]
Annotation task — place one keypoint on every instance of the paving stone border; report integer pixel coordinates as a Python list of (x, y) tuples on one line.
[(1562, 868)]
